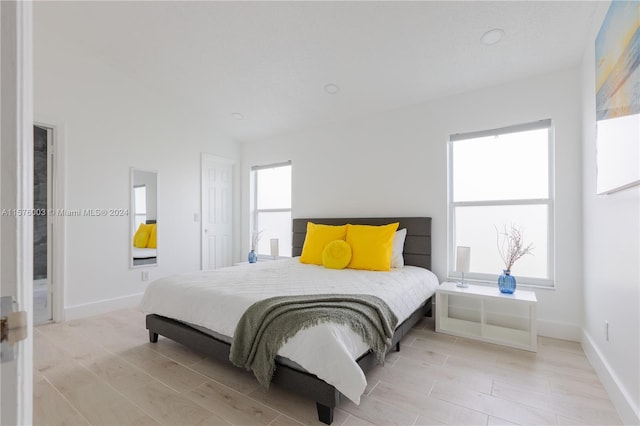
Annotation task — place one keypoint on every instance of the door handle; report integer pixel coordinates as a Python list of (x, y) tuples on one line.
[(13, 328)]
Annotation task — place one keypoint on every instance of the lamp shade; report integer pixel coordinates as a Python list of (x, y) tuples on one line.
[(275, 250), (463, 258)]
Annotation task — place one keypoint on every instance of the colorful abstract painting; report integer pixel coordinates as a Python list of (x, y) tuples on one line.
[(617, 61)]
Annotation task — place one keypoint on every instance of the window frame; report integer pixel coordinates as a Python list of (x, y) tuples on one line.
[(549, 202), (255, 225), (135, 205)]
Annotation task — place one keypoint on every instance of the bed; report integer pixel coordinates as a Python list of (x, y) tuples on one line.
[(144, 255), (166, 321)]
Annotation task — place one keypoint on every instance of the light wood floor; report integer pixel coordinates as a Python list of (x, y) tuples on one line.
[(104, 371)]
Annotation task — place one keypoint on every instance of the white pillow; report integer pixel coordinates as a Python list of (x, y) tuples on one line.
[(397, 261)]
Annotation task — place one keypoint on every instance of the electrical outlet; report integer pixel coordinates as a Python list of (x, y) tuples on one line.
[(606, 330), (145, 275)]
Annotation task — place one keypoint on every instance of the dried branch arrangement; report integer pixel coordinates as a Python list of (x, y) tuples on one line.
[(511, 245), (255, 239)]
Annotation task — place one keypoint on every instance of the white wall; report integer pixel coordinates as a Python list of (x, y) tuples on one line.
[(108, 124), (395, 164), (611, 266)]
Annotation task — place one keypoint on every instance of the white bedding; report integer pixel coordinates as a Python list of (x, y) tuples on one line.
[(143, 253), (217, 299)]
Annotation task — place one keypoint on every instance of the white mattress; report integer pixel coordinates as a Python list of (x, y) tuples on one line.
[(217, 299), (143, 253)]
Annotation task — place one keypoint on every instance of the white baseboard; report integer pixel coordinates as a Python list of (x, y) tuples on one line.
[(101, 307), (627, 409), (560, 330)]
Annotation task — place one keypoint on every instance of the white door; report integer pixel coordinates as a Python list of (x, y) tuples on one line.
[(217, 212), (16, 196)]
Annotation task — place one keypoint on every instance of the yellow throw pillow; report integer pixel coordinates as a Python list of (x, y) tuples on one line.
[(318, 236), (153, 237), (336, 255), (371, 246), (141, 238)]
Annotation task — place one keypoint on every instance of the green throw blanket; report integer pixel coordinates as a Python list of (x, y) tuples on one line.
[(268, 324)]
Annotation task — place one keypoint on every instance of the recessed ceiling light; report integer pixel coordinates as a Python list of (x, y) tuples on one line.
[(331, 88), (492, 36), (237, 116)]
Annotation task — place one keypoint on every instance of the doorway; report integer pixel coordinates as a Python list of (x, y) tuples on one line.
[(42, 224), (217, 212)]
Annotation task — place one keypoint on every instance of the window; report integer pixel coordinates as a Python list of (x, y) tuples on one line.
[(502, 178), (140, 205), (272, 207)]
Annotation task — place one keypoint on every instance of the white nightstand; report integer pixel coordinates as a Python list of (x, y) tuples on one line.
[(481, 330)]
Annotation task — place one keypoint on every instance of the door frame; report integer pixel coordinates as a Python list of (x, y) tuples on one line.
[(16, 118), (58, 263), (204, 157)]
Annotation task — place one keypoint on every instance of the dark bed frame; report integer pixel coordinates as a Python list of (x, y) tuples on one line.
[(417, 252)]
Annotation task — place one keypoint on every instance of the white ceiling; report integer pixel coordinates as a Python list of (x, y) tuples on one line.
[(270, 61)]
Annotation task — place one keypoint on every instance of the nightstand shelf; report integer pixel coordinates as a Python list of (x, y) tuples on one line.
[(481, 330)]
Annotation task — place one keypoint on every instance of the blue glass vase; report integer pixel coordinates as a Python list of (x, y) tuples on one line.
[(506, 282), (253, 257)]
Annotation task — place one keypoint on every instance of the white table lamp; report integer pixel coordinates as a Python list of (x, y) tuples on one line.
[(275, 250), (463, 259)]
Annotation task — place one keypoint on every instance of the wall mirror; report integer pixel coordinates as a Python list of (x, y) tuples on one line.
[(143, 240)]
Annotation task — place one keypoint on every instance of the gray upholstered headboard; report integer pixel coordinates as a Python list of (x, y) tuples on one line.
[(417, 245)]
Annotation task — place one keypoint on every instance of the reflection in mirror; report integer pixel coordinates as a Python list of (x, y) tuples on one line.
[(144, 217)]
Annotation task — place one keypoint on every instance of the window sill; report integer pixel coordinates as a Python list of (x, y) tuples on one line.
[(488, 283)]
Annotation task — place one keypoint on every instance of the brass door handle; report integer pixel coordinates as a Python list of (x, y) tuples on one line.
[(13, 327)]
